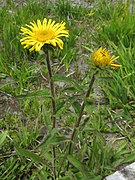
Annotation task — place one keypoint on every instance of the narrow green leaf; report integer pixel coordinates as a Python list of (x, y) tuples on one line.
[(117, 162), (74, 88), (48, 138), (31, 155), (40, 93), (81, 167), (129, 158), (52, 139), (91, 176), (3, 137), (58, 139), (68, 80), (89, 49), (77, 106), (63, 79), (121, 148)]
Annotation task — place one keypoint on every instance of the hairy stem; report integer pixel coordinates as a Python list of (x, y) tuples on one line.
[(80, 116), (52, 90)]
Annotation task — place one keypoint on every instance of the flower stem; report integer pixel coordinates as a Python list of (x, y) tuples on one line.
[(52, 90), (80, 116)]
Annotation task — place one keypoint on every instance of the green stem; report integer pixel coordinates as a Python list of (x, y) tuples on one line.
[(80, 116), (52, 90)]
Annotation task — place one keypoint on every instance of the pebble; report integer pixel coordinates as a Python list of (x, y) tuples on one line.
[(127, 173)]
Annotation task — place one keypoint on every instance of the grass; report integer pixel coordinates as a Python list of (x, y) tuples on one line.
[(105, 138)]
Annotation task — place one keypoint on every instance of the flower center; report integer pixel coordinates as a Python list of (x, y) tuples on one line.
[(44, 35)]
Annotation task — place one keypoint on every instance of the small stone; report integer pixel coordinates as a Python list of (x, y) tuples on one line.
[(127, 173)]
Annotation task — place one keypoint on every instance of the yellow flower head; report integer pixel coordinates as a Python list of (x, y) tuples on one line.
[(38, 34), (102, 59)]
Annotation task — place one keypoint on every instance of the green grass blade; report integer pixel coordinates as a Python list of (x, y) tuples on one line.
[(63, 79), (79, 166), (52, 139), (31, 155), (3, 137), (40, 93)]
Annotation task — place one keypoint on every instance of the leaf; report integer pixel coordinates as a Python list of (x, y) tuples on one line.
[(91, 176), (117, 162), (48, 138), (40, 93), (58, 139), (3, 137), (74, 88), (81, 167), (121, 150), (129, 158), (63, 79), (89, 49), (52, 139), (77, 107), (31, 155), (67, 80)]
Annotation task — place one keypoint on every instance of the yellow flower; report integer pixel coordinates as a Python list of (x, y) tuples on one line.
[(102, 58), (38, 34)]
